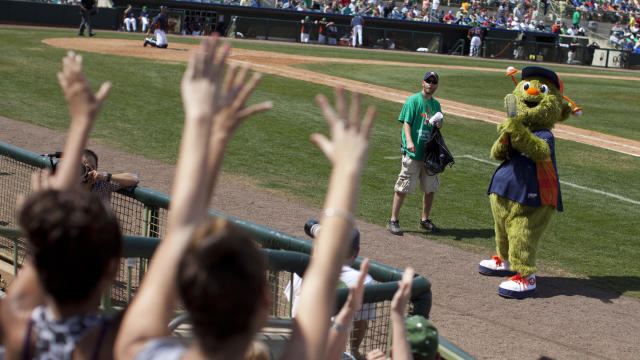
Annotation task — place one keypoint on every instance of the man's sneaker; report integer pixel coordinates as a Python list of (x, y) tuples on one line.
[(429, 225), (495, 267), (394, 227), (518, 287), (146, 42), (92, 34)]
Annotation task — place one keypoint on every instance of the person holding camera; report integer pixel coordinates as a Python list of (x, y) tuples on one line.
[(350, 278), (101, 182), (420, 113)]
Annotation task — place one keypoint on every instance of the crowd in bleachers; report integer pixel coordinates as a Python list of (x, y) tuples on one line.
[(522, 15)]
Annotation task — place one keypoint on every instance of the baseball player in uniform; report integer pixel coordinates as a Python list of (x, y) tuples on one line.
[(322, 30), (305, 30), (159, 24), (475, 33), (357, 22), (145, 19), (130, 19)]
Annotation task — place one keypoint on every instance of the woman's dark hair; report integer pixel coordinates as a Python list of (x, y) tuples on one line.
[(222, 281), (73, 237)]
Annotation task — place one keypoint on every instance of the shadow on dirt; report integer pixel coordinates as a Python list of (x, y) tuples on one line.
[(597, 287), (458, 234)]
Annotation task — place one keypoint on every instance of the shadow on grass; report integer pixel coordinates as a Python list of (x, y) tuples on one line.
[(457, 234), (603, 288)]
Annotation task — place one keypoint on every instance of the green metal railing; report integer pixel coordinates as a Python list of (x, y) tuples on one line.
[(142, 216)]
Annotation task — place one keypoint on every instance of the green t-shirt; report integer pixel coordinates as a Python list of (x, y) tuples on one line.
[(417, 111), (576, 17)]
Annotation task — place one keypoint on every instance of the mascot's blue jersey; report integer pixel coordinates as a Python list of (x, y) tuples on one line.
[(527, 182)]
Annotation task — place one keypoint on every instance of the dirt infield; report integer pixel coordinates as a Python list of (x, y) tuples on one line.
[(567, 319)]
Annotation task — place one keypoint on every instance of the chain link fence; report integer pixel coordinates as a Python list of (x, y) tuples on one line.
[(142, 215)]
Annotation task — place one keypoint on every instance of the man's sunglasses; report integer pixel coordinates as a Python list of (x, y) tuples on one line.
[(431, 81)]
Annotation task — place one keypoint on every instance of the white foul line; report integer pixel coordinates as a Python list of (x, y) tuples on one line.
[(635, 202)]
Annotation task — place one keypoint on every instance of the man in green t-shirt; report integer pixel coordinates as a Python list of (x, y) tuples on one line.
[(420, 113)]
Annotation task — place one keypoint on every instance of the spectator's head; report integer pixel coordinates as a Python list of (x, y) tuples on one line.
[(163, 10), (222, 283), (423, 337), (90, 159), (75, 241)]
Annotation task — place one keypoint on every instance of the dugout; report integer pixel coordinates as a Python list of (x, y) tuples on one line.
[(284, 25), (521, 45)]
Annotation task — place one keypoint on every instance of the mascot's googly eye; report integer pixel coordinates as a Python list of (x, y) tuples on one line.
[(544, 89), (526, 86)]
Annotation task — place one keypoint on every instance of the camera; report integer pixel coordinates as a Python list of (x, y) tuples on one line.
[(84, 169), (312, 228), (84, 173)]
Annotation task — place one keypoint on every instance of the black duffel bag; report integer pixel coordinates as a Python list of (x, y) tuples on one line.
[(436, 154)]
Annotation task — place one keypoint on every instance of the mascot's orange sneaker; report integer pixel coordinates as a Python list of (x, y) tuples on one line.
[(518, 287), (495, 267)]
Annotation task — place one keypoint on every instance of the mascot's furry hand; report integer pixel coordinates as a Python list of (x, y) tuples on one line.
[(500, 148)]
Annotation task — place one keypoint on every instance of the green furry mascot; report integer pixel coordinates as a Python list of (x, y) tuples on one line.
[(525, 189)]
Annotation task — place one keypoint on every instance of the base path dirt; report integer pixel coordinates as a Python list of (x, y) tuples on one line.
[(567, 319)]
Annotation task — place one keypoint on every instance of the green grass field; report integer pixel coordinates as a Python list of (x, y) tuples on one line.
[(594, 238)]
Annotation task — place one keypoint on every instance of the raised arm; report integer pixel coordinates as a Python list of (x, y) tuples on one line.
[(342, 322), (347, 152), (399, 302), (84, 107), (207, 110)]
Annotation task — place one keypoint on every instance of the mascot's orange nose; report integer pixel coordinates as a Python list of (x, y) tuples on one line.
[(533, 91)]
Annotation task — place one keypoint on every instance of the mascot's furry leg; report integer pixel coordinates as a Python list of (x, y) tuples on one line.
[(518, 231)]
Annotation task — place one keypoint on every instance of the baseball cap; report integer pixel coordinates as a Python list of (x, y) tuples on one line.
[(306, 17), (162, 7), (531, 71), (324, 19), (422, 336), (431, 74)]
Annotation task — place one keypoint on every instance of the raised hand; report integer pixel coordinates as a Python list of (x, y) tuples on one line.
[(338, 339), (82, 102), (356, 293), (402, 296), (201, 81), (399, 302), (349, 135), (84, 106), (232, 109), (206, 97)]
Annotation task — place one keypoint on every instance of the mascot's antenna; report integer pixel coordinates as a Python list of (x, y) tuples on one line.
[(512, 71)]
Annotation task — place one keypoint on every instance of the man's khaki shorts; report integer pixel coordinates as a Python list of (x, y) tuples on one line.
[(411, 171)]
